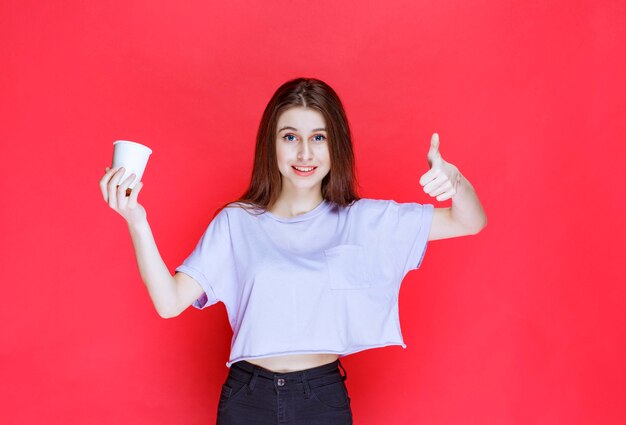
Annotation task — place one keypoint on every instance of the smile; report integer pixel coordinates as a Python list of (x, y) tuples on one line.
[(303, 171)]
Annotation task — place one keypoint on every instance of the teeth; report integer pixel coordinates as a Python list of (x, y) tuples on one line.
[(304, 169)]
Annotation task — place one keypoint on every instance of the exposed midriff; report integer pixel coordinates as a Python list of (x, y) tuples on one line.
[(292, 363)]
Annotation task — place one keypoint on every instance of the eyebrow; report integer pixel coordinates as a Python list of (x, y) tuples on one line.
[(295, 129)]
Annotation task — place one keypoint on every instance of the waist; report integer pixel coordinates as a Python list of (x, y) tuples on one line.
[(316, 376), (293, 362)]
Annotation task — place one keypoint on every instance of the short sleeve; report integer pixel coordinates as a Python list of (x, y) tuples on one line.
[(211, 263), (407, 226)]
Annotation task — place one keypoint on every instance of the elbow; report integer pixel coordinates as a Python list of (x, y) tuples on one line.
[(164, 315), (167, 314), (480, 225), (477, 226)]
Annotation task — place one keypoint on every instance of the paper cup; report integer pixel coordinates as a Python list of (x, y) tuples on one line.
[(133, 157)]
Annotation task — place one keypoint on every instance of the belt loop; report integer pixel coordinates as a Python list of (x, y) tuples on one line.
[(345, 374), (305, 381), (255, 374)]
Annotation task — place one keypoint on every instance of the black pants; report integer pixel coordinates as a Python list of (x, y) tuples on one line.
[(255, 395)]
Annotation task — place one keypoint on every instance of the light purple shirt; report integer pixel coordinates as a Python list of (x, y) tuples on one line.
[(326, 281)]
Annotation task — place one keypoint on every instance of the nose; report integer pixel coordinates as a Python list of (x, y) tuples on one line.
[(304, 151)]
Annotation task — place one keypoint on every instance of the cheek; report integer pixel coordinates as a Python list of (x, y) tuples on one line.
[(280, 155), (324, 154)]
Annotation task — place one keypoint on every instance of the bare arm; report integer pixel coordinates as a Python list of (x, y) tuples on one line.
[(465, 217), (170, 294), (443, 181)]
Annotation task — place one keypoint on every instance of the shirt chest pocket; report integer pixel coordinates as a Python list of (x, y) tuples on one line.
[(348, 267)]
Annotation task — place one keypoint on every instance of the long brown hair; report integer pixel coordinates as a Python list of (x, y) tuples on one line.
[(338, 186)]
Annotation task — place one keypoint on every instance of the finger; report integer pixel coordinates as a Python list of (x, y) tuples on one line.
[(434, 141), (122, 197), (449, 193), (445, 196), (429, 176), (112, 187), (128, 181), (433, 153), (436, 184), (104, 181), (444, 188), (132, 201), (108, 171)]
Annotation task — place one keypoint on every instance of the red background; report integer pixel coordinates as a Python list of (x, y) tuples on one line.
[(522, 324)]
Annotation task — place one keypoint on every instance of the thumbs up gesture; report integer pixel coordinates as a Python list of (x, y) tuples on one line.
[(442, 180)]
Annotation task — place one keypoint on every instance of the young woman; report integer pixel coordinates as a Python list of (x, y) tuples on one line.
[(308, 271)]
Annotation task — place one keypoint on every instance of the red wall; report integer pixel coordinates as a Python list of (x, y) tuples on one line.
[(523, 324)]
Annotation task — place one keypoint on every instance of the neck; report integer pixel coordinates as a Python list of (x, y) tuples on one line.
[(292, 206)]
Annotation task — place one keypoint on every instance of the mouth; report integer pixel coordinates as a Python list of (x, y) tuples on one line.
[(303, 171)]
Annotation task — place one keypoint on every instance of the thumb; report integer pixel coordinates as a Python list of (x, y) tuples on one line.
[(433, 153)]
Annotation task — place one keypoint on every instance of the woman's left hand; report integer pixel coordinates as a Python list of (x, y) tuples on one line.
[(442, 180)]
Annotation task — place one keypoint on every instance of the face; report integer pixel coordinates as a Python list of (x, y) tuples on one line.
[(302, 149)]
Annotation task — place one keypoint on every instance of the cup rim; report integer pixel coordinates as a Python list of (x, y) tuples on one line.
[(133, 143)]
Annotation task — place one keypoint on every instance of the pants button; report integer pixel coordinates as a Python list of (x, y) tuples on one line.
[(280, 382)]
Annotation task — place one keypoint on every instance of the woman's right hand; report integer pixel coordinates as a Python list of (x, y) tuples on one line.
[(114, 194)]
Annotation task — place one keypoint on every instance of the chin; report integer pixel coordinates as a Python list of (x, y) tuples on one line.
[(306, 185)]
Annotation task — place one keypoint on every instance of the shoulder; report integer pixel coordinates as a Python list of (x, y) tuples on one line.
[(367, 204), (237, 209), (370, 210), (388, 209)]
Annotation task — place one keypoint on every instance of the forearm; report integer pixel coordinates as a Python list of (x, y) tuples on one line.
[(154, 273), (466, 208)]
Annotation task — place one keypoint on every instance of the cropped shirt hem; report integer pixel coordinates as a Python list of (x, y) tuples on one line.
[(342, 353)]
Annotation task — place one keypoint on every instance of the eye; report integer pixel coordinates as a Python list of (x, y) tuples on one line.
[(319, 138), (289, 137)]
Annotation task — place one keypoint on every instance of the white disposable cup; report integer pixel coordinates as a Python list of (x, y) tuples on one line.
[(133, 157)]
